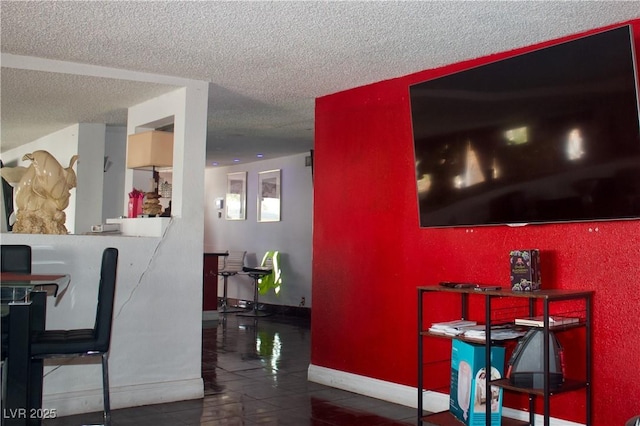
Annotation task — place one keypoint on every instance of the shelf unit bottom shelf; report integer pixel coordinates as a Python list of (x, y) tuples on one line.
[(567, 386), (445, 418)]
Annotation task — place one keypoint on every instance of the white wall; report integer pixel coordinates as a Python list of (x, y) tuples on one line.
[(291, 236), (115, 148), (91, 142), (155, 345)]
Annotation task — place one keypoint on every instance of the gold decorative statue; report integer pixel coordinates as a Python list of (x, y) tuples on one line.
[(42, 193)]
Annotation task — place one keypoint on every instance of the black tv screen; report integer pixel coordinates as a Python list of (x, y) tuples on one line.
[(551, 135)]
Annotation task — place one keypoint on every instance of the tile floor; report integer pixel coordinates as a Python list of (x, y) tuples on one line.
[(255, 373)]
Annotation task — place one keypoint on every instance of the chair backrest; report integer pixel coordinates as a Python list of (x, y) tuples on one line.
[(106, 298), (233, 262), (271, 259), (16, 258), (267, 260)]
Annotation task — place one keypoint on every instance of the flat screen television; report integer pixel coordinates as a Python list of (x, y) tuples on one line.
[(547, 136)]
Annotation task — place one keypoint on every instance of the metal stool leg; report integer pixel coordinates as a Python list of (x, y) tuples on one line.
[(105, 390), (255, 312), (224, 307), (224, 304)]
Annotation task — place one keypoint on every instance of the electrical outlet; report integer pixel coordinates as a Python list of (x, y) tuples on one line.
[(302, 301)]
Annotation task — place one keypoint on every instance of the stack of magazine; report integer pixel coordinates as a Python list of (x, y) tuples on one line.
[(498, 332), (451, 328), (471, 330)]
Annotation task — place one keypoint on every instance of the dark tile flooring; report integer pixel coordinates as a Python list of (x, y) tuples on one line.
[(255, 373)]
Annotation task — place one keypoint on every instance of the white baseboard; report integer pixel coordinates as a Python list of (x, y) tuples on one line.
[(87, 401), (404, 395), (387, 391)]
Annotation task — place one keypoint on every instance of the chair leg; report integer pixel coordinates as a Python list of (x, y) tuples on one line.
[(255, 296), (224, 291), (224, 307), (36, 377), (105, 389)]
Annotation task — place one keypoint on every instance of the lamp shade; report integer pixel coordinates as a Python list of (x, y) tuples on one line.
[(148, 149)]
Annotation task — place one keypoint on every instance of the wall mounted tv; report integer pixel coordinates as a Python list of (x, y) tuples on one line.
[(547, 136)]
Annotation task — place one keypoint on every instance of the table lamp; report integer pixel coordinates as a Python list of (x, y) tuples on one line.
[(150, 149)]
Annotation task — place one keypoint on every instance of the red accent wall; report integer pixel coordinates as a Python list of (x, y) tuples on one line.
[(370, 254)]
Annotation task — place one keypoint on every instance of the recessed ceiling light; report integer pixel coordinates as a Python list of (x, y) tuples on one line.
[(236, 160), (215, 163), (259, 155)]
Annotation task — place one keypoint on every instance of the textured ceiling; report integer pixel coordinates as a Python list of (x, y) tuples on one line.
[(266, 62)]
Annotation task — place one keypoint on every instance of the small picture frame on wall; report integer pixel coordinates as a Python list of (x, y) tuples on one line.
[(236, 198), (269, 196)]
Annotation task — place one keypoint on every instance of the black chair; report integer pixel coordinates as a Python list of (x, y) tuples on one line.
[(84, 342), (13, 258), (16, 258)]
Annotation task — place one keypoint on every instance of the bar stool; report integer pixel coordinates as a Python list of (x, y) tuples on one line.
[(232, 264), (256, 273)]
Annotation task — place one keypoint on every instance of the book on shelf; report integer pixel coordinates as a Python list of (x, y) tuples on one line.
[(554, 321)]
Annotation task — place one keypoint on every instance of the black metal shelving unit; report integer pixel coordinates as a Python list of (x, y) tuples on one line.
[(539, 303)]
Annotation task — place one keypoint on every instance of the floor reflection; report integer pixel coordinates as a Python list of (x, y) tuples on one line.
[(255, 373)]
